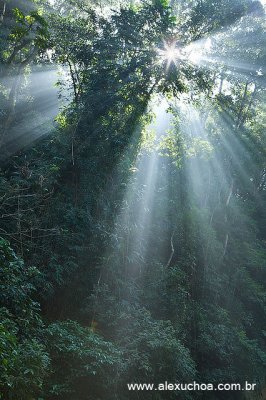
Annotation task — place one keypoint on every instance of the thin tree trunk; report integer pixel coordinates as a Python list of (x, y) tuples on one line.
[(230, 194), (72, 74), (172, 251), (225, 217), (243, 120), (3, 12), (221, 84), (242, 104), (225, 244)]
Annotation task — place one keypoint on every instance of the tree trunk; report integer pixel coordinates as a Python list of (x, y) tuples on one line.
[(242, 105), (3, 12)]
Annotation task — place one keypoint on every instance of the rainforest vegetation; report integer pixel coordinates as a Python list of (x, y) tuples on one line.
[(132, 198)]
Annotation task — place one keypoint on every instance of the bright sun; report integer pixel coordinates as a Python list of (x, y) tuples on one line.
[(170, 53), (193, 53)]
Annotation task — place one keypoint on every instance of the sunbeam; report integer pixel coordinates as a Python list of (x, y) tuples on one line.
[(132, 199), (133, 225), (40, 107)]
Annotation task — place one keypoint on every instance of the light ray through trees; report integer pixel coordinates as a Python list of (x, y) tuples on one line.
[(133, 224), (143, 211), (31, 113)]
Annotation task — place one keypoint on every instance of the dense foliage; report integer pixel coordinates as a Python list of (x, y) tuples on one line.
[(132, 223)]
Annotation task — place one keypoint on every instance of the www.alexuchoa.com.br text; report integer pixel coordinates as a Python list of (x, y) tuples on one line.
[(193, 386)]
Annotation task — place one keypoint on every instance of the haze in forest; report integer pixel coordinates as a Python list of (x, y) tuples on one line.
[(132, 199)]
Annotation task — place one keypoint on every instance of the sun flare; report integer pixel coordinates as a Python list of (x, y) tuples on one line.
[(170, 53)]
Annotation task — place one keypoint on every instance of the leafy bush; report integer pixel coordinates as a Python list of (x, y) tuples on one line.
[(23, 359), (81, 360)]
